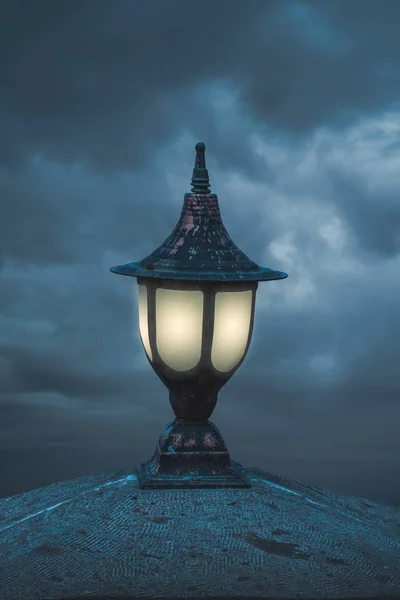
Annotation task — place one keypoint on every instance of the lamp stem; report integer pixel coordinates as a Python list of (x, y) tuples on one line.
[(195, 406)]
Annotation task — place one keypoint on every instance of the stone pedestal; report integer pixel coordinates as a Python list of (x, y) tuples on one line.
[(103, 537)]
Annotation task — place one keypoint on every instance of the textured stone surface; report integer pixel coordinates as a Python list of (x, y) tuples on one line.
[(101, 535)]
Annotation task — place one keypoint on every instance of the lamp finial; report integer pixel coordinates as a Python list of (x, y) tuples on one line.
[(200, 180)]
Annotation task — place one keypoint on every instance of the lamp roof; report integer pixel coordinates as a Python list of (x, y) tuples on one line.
[(199, 248)]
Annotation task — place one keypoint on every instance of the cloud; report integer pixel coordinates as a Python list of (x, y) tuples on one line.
[(101, 109), (293, 220), (89, 82)]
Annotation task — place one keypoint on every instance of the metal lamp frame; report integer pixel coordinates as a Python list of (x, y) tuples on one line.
[(198, 255)]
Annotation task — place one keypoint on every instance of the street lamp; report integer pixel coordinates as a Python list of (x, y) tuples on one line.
[(196, 312)]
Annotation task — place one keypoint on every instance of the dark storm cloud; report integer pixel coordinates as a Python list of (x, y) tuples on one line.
[(32, 371), (377, 225), (87, 80), (63, 214), (101, 104), (319, 61)]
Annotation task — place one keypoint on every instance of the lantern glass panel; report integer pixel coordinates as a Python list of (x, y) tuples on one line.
[(179, 327), (232, 322), (143, 320)]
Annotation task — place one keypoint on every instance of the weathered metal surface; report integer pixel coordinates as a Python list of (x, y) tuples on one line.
[(199, 254), (103, 536), (200, 180), (193, 393), (199, 248), (191, 454)]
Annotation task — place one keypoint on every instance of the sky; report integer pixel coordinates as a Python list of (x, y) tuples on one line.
[(101, 105)]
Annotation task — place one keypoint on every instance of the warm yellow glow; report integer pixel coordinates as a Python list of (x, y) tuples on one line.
[(179, 319), (143, 320), (231, 328)]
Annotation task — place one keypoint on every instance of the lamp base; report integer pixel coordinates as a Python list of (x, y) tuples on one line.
[(191, 454)]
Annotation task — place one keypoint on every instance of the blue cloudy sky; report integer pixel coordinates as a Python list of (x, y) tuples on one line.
[(101, 104)]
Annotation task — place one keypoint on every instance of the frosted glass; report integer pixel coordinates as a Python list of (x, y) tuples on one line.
[(143, 320), (231, 328), (179, 327)]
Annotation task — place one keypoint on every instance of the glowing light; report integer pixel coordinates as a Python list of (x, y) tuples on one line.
[(231, 328), (179, 327)]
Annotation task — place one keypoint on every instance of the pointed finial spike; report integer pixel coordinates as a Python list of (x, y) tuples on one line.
[(200, 156), (200, 180)]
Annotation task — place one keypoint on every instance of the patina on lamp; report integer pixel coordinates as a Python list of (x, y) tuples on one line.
[(196, 312)]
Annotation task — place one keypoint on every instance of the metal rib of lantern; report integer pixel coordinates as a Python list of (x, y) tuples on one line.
[(199, 248)]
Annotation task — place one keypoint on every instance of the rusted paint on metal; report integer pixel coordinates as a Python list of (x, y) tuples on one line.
[(177, 439), (210, 441), (199, 248), (196, 449), (191, 442)]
